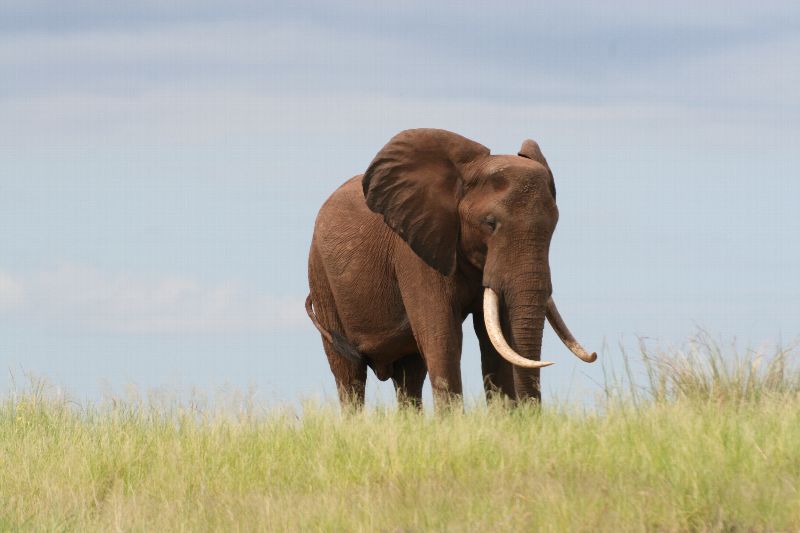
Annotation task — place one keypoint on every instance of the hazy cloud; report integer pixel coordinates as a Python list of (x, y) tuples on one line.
[(219, 118), (11, 293), (80, 296), (190, 73), (51, 15)]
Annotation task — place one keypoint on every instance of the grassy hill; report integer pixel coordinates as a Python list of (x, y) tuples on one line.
[(709, 442)]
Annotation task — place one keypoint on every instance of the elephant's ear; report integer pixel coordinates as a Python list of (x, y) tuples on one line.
[(531, 150), (416, 182)]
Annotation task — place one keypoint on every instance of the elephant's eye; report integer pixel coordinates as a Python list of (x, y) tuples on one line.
[(490, 222)]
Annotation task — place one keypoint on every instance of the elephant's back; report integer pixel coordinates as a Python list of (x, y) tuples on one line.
[(346, 227), (348, 198)]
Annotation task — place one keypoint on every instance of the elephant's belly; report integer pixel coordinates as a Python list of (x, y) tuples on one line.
[(387, 345), (376, 322)]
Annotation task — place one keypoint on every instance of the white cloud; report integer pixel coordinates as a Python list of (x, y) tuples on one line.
[(235, 81), (74, 296), (11, 293), (217, 81)]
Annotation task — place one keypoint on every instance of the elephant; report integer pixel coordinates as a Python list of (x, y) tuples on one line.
[(436, 229)]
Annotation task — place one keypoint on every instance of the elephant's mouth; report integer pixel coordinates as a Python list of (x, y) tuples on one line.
[(491, 314)]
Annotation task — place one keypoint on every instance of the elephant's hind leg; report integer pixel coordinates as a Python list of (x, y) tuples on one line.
[(351, 378), (408, 377)]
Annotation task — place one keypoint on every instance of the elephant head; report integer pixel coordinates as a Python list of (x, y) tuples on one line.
[(456, 204)]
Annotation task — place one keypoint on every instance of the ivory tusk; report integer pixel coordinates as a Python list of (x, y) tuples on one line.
[(564, 334)]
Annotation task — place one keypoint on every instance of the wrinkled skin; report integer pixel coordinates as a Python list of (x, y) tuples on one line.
[(401, 255)]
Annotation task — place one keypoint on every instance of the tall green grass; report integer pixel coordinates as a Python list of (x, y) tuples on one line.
[(707, 441)]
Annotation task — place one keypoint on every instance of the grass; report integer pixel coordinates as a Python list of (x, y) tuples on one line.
[(707, 442)]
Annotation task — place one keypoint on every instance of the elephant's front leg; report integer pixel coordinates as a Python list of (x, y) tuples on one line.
[(442, 354), (444, 367), (498, 374), (433, 316), (432, 303), (438, 337)]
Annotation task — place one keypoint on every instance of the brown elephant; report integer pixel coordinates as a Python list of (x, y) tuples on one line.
[(435, 230)]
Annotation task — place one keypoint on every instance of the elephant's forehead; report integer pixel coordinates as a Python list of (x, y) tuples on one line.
[(527, 182)]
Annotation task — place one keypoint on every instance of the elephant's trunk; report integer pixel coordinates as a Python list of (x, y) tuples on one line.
[(526, 314)]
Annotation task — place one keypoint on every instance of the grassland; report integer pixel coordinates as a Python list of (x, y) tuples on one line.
[(706, 442)]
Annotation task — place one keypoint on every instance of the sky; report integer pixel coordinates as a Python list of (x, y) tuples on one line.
[(162, 163)]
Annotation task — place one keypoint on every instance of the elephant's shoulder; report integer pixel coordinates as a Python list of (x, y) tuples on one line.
[(349, 198), (346, 212), (353, 188)]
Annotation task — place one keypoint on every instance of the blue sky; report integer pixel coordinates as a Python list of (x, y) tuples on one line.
[(161, 165)]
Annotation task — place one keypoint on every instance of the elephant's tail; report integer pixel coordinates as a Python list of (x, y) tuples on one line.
[(340, 344)]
